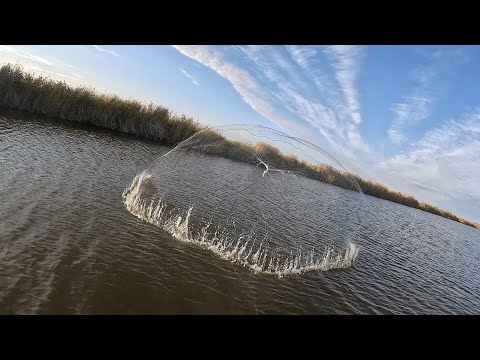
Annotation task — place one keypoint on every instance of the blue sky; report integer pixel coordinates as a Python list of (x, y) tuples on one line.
[(405, 116)]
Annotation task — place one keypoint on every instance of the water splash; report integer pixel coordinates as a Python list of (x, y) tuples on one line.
[(239, 249)]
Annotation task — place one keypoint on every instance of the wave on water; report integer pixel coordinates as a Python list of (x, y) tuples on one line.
[(239, 249)]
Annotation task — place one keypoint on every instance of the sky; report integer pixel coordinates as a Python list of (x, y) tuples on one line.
[(404, 116)]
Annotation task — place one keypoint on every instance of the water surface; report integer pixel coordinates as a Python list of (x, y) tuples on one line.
[(68, 245)]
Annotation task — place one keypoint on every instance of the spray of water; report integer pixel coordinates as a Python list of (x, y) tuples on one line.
[(244, 249)]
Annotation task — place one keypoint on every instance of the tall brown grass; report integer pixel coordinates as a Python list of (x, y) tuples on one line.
[(23, 91), (20, 90)]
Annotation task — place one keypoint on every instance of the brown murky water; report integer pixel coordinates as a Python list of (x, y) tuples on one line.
[(69, 246)]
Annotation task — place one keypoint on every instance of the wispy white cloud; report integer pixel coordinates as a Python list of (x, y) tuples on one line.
[(251, 90), (345, 60), (301, 55), (25, 55), (184, 72), (356, 139), (414, 108), (69, 66), (104, 50), (243, 82), (276, 82), (418, 104), (443, 167)]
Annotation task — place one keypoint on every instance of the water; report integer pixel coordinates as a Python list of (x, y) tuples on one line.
[(280, 254), (68, 244)]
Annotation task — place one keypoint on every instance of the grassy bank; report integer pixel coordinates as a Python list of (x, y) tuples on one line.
[(20, 90)]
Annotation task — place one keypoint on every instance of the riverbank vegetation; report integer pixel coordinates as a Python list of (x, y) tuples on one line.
[(24, 91)]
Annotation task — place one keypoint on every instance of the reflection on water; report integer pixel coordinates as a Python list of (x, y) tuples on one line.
[(69, 245)]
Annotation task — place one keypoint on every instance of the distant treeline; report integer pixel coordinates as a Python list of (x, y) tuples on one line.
[(20, 90)]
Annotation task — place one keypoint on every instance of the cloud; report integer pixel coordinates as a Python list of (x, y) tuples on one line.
[(283, 85), (184, 72), (25, 55), (103, 50), (443, 167), (345, 61), (260, 98), (414, 108), (356, 140), (301, 55), (418, 104), (243, 82)]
